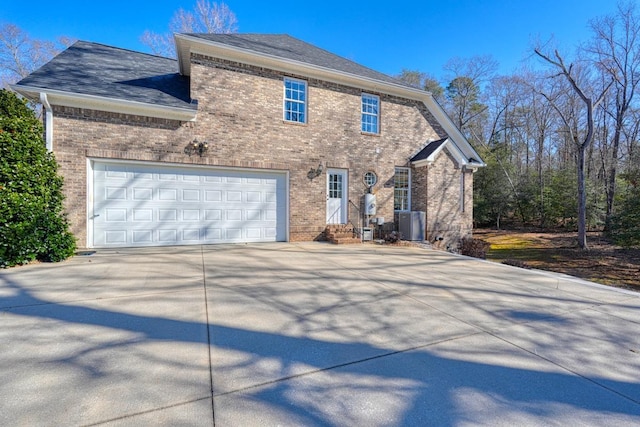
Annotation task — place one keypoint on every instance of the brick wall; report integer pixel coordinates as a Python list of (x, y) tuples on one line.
[(445, 192), (240, 116)]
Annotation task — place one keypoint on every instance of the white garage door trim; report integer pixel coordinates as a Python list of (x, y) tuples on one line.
[(209, 205)]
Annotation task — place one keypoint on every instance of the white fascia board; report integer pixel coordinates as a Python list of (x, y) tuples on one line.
[(189, 44), (458, 139), (93, 102), (458, 156)]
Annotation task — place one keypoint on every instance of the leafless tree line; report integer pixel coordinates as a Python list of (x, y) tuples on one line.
[(560, 136), (21, 54)]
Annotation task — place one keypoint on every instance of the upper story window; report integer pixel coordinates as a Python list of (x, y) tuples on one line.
[(295, 100), (402, 189), (370, 113)]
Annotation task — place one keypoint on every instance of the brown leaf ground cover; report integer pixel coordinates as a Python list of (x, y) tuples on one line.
[(603, 263)]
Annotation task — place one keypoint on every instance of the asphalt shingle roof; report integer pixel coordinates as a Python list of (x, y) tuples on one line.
[(287, 47), (105, 71), (95, 69), (428, 150)]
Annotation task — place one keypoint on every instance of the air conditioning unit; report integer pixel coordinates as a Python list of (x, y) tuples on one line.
[(411, 225)]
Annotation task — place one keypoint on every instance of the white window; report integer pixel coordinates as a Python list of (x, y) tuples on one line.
[(370, 178), (370, 113), (402, 189), (295, 100)]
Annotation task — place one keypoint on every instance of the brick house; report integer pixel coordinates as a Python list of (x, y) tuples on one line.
[(245, 138)]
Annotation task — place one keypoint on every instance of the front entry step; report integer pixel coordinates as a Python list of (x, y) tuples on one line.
[(340, 234)]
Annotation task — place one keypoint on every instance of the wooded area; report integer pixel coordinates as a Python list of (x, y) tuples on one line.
[(559, 136)]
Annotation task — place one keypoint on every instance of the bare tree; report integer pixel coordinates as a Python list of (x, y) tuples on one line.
[(20, 54), (479, 69), (206, 17), (616, 51), (571, 118), (464, 92), (422, 81)]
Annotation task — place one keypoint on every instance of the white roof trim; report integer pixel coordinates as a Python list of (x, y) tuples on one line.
[(432, 157), (185, 45), (455, 136), (100, 103), (451, 148)]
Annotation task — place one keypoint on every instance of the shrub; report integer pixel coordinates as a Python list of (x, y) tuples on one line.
[(32, 223), (393, 237), (476, 248)]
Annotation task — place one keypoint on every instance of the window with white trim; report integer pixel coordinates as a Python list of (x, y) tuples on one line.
[(402, 189), (295, 100), (370, 114)]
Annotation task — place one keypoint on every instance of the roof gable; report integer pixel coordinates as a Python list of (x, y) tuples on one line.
[(293, 49), (431, 151), (290, 55)]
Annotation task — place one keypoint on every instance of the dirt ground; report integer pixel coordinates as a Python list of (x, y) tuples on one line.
[(603, 263)]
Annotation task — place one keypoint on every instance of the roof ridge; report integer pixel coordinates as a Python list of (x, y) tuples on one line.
[(304, 45), (124, 49)]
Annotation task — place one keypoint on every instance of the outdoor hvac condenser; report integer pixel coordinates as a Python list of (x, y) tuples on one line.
[(411, 225)]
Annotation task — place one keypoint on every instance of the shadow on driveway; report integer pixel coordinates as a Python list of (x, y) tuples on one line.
[(476, 377)]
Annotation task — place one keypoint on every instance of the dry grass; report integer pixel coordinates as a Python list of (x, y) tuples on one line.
[(603, 263)]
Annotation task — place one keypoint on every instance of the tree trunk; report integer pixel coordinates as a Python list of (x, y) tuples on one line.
[(611, 185), (582, 199)]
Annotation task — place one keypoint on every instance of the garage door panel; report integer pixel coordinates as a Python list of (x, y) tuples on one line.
[(169, 236), (139, 205), (116, 215), (142, 236), (142, 215), (115, 193), (116, 237), (190, 195), (141, 193)]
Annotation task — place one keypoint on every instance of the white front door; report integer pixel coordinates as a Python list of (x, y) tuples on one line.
[(336, 196)]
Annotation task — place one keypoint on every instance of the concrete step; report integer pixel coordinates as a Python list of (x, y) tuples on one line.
[(345, 240)]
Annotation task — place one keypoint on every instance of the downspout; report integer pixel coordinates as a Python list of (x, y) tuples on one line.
[(48, 121)]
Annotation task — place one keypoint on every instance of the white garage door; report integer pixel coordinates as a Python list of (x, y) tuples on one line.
[(140, 205)]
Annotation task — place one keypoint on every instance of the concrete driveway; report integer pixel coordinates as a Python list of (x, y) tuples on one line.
[(312, 334)]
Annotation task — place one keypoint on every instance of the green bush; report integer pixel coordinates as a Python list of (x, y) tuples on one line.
[(32, 223)]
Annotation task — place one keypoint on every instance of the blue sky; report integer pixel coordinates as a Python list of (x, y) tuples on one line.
[(384, 35)]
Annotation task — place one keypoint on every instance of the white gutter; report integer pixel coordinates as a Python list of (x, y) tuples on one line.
[(48, 121), (101, 103)]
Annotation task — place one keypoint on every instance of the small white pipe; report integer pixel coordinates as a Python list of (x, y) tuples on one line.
[(48, 121)]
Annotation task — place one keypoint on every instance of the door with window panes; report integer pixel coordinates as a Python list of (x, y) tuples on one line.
[(336, 196)]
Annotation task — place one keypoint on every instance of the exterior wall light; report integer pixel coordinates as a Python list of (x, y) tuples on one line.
[(196, 147), (314, 173)]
